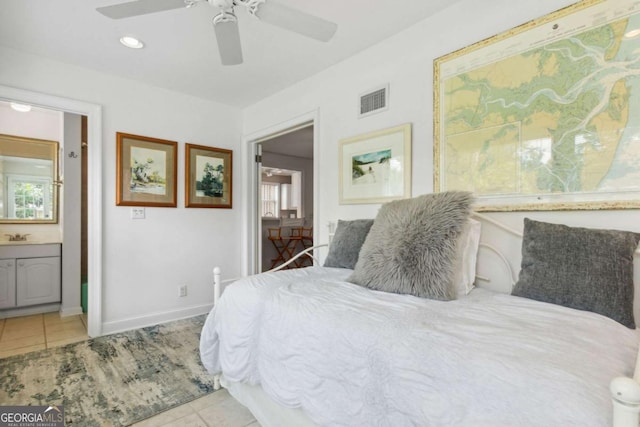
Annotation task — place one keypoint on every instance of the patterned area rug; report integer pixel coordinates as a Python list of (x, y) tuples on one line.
[(112, 380)]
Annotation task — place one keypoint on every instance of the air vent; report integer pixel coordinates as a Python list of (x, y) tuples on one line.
[(374, 101)]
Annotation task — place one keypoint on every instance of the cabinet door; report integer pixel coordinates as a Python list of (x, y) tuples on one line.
[(38, 281), (7, 283)]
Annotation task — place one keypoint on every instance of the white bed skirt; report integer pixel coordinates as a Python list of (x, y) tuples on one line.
[(266, 411)]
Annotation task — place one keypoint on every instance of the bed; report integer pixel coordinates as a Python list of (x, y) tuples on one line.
[(311, 347)]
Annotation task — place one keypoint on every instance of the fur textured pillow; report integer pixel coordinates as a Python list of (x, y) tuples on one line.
[(412, 246)]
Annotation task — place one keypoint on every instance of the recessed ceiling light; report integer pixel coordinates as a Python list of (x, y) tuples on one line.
[(23, 108), (131, 42), (632, 34)]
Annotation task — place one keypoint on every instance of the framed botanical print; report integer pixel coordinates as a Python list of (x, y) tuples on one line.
[(208, 177), (146, 171)]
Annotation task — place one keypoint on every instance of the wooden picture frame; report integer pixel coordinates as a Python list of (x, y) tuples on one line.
[(208, 177), (376, 167), (146, 171), (543, 116)]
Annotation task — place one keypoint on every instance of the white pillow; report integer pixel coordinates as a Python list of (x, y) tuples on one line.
[(465, 273)]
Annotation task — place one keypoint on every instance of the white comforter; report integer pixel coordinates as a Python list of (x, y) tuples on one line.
[(353, 357)]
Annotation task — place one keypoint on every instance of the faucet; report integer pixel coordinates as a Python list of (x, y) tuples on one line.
[(17, 237)]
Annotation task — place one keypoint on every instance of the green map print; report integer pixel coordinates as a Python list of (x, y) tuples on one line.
[(555, 119)]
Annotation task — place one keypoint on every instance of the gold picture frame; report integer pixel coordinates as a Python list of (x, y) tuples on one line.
[(543, 116), (376, 167), (208, 177), (146, 171)]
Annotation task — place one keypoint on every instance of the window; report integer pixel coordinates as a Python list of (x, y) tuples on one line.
[(29, 198), (270, 198)]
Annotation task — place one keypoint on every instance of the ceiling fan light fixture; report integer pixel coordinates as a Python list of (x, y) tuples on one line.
[(225, 23), (131, 42)]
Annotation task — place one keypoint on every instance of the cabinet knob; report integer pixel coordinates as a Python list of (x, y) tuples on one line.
[(21, 264), (10, 264)]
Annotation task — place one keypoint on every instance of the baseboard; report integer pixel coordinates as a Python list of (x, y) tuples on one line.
[(28, 311), (71, 311), (153, 319)]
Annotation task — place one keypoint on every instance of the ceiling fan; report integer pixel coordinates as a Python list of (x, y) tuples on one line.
[(225, 23)]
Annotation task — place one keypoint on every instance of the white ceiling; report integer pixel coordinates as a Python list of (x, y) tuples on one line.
[(298, 143), (181, 52)]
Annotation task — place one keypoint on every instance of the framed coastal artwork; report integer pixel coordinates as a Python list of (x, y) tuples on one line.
[(545, 116), (208, 177), (145, 171), (376, 167)]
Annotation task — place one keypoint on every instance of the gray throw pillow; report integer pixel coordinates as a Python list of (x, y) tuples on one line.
[(581, 268), (412, 246), (346, 243)]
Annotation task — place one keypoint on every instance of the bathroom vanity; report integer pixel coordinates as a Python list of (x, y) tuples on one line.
[(29, 274)]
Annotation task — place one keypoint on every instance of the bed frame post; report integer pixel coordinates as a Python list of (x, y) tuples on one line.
[(217, 274), (625, 395)]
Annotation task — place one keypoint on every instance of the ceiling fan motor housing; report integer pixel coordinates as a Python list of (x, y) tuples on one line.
[(251, 5), (222, 4)]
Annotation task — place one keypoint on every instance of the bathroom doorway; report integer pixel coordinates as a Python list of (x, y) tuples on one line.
[(67, 130), (74, 109)]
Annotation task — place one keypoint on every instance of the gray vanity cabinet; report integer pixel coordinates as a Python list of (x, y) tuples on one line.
[(7, 283), (29, 275)]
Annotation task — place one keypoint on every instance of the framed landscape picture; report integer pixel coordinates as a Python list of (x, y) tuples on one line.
[(543, 116), (376, 167), (208, 177), (146, 171)]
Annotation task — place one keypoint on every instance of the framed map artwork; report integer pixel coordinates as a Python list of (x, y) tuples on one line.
[(545, 116)]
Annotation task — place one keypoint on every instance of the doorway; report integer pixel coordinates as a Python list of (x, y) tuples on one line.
[(286, 196), (93, 112)]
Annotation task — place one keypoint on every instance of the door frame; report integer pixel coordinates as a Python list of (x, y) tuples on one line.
[(251, 214), (94, 185)]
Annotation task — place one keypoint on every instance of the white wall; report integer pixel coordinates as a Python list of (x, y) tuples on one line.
[(71, 214), (144, 261), (405, 61)]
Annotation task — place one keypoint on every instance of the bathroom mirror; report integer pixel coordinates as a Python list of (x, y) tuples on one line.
[(28, 180)]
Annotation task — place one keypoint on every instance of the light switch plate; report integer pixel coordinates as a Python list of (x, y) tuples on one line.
[(137, 213)]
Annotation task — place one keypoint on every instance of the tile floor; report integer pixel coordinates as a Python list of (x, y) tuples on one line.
[(218, 409), (30, 333), (20, 335)]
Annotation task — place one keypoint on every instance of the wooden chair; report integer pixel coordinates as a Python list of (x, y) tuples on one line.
[(285, 240), (307, 237), (280, 244), (291, 233)]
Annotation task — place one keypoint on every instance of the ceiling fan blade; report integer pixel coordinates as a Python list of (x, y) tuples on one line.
[(139, 7), (228, 38), (296, 21)]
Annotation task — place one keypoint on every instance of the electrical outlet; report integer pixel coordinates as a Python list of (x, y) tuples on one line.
[(182, 291), (137, 213)]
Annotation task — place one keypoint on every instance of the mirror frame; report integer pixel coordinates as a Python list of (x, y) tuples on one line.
[(56, 183)]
